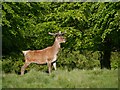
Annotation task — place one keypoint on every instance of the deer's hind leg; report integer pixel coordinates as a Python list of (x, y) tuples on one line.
[(24, 67)]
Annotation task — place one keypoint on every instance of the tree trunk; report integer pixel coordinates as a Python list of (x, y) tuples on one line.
[(105, 60), (105, 55)]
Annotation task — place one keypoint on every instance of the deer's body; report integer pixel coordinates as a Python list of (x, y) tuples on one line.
[(47, 55)]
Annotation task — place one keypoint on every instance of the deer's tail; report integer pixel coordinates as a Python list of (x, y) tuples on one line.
[(25, 52)]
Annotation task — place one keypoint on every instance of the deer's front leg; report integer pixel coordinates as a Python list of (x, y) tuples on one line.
[(49, 67)]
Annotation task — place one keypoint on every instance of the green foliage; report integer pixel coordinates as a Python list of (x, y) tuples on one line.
[(75, 59), (88, 24), (63, 79), (26, 25), (102, 22), (115, 57), (12, 64), (94, 21)]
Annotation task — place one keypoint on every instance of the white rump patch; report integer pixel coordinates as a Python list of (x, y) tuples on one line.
[(25, 52)]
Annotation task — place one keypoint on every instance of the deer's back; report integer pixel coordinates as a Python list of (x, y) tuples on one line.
[(40, 56)]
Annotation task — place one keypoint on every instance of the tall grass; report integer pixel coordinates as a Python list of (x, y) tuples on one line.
[(62, 79)]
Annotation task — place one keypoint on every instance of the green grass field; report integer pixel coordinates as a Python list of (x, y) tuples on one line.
[(62, 79)]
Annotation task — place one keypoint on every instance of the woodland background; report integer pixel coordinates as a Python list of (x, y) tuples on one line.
[(93, 33)]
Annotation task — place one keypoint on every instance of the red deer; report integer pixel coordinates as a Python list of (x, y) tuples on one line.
[(47, 55)]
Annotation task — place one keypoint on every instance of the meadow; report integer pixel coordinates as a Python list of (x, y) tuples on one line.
[(75, 78)]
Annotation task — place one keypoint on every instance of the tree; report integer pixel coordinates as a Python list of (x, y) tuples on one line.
[(105, 30), (18, 23)]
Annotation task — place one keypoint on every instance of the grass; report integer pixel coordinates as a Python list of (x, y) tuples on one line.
[(62, 79)]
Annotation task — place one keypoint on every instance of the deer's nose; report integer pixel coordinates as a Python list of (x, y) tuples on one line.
[(64, 40)]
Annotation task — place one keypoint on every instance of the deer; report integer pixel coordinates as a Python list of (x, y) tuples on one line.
[(45, 56)]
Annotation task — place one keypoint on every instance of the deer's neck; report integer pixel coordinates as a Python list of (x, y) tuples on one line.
[(56, 47)]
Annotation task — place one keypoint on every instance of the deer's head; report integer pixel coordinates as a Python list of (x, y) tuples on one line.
[(59, 37)]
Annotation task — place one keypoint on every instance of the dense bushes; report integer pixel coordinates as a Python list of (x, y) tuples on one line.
[(66, 60), (115, 60), (12, 63), (75, 59)]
